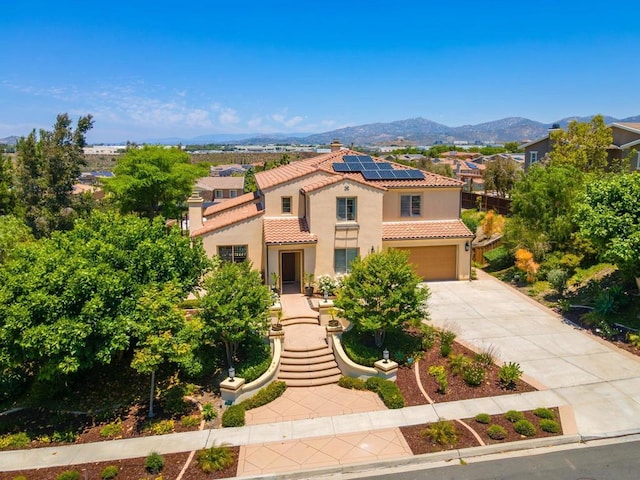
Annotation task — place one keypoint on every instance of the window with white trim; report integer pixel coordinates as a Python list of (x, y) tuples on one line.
[(217, 194), (342, 259), (346, 209), (233, 193), (233, 253), (533, 157), (638, 161), (410, 205)]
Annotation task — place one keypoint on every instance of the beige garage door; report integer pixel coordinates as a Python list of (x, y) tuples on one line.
[(434, 263)]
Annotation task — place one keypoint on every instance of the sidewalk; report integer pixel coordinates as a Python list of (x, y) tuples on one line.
[(600, 382)]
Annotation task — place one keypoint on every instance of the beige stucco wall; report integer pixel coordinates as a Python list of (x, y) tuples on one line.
[(542, 147), (273, 196), (621, 136), (463, 262), (247, 233), (364, 233), (437, 204)]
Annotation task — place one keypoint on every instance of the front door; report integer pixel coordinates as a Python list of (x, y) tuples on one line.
[(289, 262)]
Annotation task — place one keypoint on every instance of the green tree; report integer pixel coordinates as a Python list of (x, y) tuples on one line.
[(609, 215), (513, 147), (13, 232), (543, 203), (583, 145), (382, 293), (235, 306), (7, 193), (250, 184), (164, 335), (501, 175), (153, 180), (47, 166), (69, 302)]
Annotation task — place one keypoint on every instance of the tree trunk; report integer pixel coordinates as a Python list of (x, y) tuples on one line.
[(231, 348), (153, 383), (379, 337)]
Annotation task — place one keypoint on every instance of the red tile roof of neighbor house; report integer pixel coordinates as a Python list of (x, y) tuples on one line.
[(324, 163), (426, 229), (230, 203), (287, 230), (231, 217)]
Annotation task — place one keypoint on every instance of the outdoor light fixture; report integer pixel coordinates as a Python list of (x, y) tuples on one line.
[(372, 249), (466, 246), (385, 355), (326, 296), (232, 373)]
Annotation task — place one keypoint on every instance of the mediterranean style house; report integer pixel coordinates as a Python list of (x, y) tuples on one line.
[(316, 215), (626, 139)]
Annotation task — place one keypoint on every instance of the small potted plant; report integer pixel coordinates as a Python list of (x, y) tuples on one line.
[(333, 322), (308, 280), (275, 281), (276, 327)]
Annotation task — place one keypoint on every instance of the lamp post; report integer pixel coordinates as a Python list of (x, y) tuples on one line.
[(385, 355), (232, 374), (325, 294)]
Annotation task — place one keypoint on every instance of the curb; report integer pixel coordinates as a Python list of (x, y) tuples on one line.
[(427, 458)]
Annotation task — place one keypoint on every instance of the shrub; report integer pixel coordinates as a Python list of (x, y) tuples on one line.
[(471, 218), (387, 390), (484, 418), (352, 383), (549, 426), (514, 416), (429, 335), (190, 421), (558, 279), (442, 433), (64, 437), (215, 458), (496, 432), (440, 376), (544, 413), (327, 284), (526, 264), (447, 338), (20, 477), (14, 440), (69, 475), (112, 430), (154, 463), (498, 258), (256, 359), (233, 416), (509, 374), (474, 374), (486, 356), (160, 427), (265, 395), (173, 401), (525, 427), (209, 412), (109, 472), (458, 363)]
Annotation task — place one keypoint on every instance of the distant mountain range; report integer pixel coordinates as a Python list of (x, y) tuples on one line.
[(420, 131)]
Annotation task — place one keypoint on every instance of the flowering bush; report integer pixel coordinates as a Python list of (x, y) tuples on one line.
[(525, 263), (330, 284)]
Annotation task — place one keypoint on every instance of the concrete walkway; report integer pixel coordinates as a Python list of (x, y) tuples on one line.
[(601, 382)]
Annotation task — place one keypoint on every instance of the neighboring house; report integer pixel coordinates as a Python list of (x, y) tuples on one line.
[(80, 188), (318, 214), (626, 138), (227, 170), (218, 189)]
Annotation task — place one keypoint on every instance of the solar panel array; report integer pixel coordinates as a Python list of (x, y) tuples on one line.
[(371, 170)]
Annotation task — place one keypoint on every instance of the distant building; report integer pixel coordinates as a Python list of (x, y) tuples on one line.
[(219, 189)]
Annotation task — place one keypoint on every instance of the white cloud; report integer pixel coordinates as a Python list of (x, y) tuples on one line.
[(228, 116)]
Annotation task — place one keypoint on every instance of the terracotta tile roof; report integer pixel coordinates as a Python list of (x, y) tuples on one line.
[(285, 173), (230, 204), (211, 183), (287, 230), (424, 229), (225, 219), (325, 182)]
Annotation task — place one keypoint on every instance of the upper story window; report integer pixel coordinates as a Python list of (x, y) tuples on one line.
[(533, 157), (233, 193), (410, 205), (233, 253), (346, 209), (217, 194), (286, 204)]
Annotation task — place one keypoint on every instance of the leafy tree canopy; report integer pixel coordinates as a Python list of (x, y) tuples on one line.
[(153, 180), (501, 175), (47, 166), (583, 145), (7, 193), (13, 232), (609, 215), (235, 306), (69, 302), (381, 293)]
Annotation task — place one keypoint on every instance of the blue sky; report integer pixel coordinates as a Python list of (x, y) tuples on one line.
[(159, 69)]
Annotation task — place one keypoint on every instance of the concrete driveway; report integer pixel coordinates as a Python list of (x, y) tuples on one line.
[(600, 381)]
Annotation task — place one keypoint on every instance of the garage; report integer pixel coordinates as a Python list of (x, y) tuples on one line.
[(434, 263)]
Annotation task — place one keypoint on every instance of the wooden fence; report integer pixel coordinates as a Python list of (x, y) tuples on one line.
[(499, 205), (478, 251)]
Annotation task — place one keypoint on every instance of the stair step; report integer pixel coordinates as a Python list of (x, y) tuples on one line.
[(309, 375), (312, 382), (305, 352), (309, 368), (300, 321), (284, 360)]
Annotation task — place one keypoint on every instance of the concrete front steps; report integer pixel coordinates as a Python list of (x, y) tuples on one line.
[(308, 367), (304, 320)]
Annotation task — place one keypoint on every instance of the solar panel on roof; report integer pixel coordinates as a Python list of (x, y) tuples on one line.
[(365, 158), (384, 166), (351, 159), (340, 167), (416, 174), (471, 165), (369, 166)]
